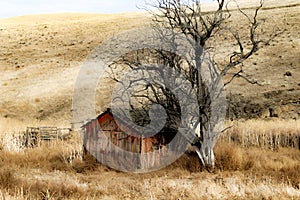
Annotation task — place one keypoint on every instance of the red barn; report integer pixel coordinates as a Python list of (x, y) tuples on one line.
[(110, 143)]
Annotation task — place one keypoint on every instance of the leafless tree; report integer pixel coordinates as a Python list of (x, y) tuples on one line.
[(204, 29)]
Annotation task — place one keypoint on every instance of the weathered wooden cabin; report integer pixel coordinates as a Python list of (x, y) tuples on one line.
[(117, 145)]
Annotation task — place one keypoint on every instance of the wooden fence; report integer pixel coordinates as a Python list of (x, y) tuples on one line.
[(34, 135)]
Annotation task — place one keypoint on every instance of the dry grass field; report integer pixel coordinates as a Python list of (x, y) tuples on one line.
[(40, 56), (57, 171)]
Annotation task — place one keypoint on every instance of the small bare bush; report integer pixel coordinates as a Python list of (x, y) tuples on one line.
[(232, 157)]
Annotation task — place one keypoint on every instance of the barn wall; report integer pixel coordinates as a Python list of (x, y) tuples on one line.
[(98, 133)]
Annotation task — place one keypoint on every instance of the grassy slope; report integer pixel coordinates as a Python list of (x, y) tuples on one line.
[(40, 56)]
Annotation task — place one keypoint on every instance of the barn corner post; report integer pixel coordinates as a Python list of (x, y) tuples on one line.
[(85, 136)]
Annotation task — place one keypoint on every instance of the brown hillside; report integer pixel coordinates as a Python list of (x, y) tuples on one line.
[(40, 56)]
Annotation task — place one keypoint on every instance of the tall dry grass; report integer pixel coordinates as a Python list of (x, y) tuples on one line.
[(282, 165), (270, 134), (35, 163), (56, 170)]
